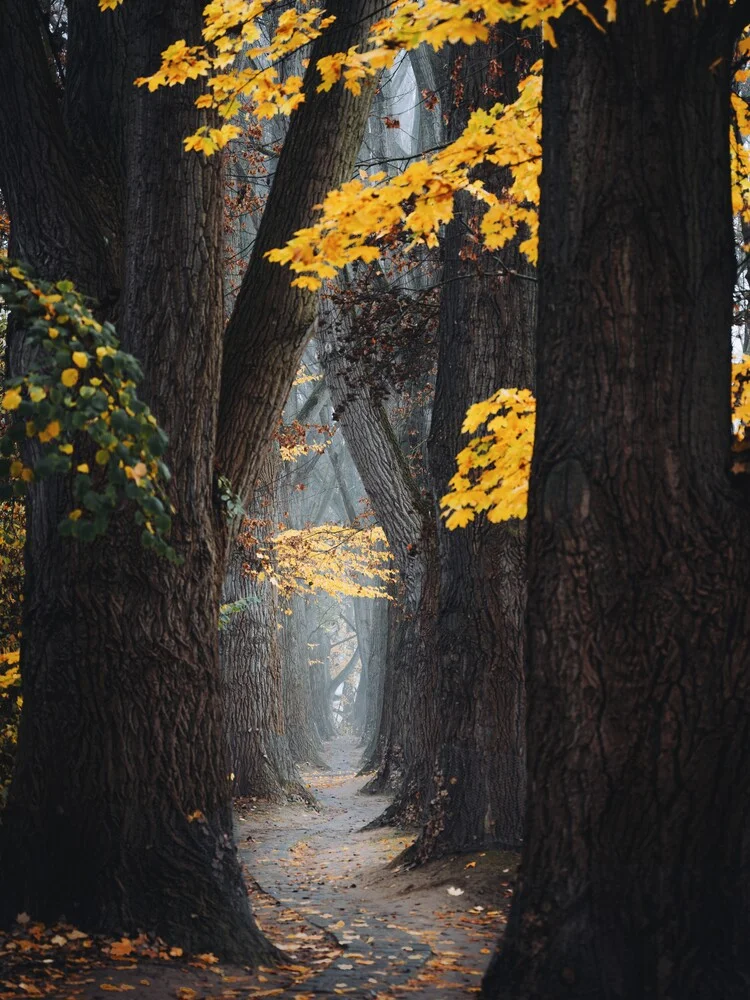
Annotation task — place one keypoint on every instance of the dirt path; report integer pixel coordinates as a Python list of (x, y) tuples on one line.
[(402, 932), (323, 893)]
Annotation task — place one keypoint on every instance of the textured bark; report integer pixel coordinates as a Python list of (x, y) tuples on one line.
[(121, 737), (635, 870), (405, 741), (487, 318), (259, 755), (271, 321)]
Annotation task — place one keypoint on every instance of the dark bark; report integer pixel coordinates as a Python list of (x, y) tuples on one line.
[(486, 329), (119, 815), (271, 321), (635, 870)]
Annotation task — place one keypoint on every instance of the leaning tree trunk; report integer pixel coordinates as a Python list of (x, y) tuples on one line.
[(635, 869), (119, 816), (486, 341)]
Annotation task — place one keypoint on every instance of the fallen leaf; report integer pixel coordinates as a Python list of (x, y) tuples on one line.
[(453, 891), (119, 949)]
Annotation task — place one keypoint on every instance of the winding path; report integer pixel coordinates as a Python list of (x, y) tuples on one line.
[(403, 933)]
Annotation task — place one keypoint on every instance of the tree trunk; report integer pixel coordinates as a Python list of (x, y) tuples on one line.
[(320, 682), (259, 755), (635, 869), (119, 815), (304, 741), (409, 526), (486, 341), (272, 321)]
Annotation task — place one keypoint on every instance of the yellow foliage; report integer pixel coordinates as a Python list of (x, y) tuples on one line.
[(334, 559), (493, 469), (421, 198), (741, 402)]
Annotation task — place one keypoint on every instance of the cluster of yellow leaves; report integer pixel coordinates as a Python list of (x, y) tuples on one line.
[(741, 403), (493, 470), (740, 155), (85, 385), (330, 558), (239, 69), (421, 199)]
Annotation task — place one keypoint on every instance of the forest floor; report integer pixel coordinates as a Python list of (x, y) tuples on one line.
[(332, 897)]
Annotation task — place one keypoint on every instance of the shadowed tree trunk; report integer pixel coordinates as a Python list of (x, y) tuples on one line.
[(119, 657), (404, 743), (487, 318), (122, 732), (635, 869)]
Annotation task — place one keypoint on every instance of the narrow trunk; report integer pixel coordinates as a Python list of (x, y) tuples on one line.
[(304, 741), (259, 755), (272, 321), (320, 654), (635, 869)]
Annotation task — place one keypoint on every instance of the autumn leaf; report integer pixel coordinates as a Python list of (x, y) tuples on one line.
[(121, 949)]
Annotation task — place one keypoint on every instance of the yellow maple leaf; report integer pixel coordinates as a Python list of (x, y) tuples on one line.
[(12, 399)]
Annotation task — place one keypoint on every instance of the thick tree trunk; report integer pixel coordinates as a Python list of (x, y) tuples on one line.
[(635, 871), (486, 341), (119, 814)]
